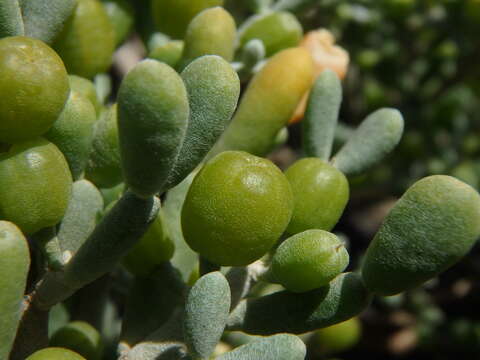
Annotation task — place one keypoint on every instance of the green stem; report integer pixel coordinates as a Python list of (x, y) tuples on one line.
[(113, 237)]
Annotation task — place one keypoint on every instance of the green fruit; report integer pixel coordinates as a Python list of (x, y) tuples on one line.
[(173, 16), (80, 337), (153, 117), (87, 41), (277, 31), (104, 167), (211, 32), (309, 260), (169, 53), (35, 185), (14, 265), (87, 89), (153, 249), (73, 132), (52, 353), (432, 226), (33, 88), (339, 337), (120, 13), (236, 209), (320, 194)]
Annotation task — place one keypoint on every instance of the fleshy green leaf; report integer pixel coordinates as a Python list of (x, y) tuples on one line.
[(44, 19), (376, 136), (321, 115), (278, 347), (153, 114), (11, 22), (433, 225), (213, 89), (14, 265), (83, 210), (206, 313), (113, 237), (283, 311)]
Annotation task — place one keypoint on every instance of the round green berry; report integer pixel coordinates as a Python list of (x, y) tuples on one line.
[(35, 185), (236, 209), (320, 194), (309, 260), (54, 353), (33, 88), (80, 337)]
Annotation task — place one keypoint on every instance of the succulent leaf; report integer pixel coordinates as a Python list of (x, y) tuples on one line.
[(206, 313), (374, 139), (321, 116)]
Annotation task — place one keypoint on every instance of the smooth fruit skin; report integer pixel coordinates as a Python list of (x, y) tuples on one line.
[(73, 132), (309, 260), (277, 30), (236, 209), (320, 195), (153, 249), (86, 88), (169, 53), (81, 337), (268, 102), (104, 166), (87, 41), (173, 16), (211, 32), (35, 185), (153, 113), (339, 337), (14, 265), (53, 353), (432, 226), (33, 88)]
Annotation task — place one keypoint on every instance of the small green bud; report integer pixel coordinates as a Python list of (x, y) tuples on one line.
[(309, 260), (87, 89), (339, 337), (121, 15)]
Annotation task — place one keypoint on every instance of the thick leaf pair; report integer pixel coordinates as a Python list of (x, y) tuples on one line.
[(168, 122), (206, 314), (41, 19), (376, 136)]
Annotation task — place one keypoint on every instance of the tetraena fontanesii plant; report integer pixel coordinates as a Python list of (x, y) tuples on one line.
[(92, 195)]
